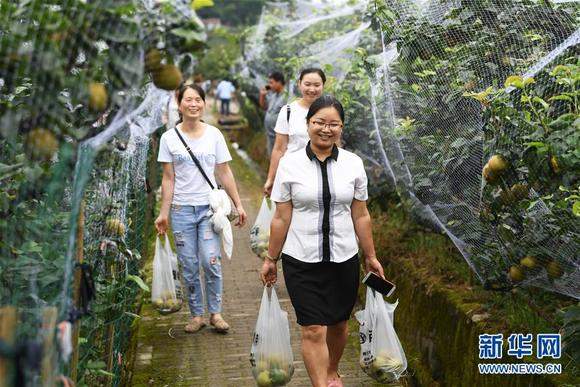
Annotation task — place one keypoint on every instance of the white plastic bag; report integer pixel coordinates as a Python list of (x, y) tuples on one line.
[(271, 354), (163, 296), (175, 272), (382, 356), (221, 207), (260, 232)]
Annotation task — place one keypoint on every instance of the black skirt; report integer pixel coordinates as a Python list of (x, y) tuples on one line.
[(322, 293)]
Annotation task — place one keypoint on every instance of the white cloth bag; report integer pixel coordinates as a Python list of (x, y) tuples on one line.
[(221, 207)]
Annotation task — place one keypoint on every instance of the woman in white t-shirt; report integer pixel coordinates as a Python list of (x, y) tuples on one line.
[(291, 130), (185, 198)]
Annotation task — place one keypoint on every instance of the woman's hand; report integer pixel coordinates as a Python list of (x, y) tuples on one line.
[(162, 224), (269, 273), (268, 188), (242, 216), (372, 264)]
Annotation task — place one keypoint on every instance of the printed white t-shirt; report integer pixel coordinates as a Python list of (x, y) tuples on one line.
[(296, 129), (190, 188)]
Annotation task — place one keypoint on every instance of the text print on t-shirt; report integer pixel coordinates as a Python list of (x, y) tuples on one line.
[(205, 158)]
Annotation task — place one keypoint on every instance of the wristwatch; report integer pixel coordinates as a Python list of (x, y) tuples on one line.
[(275, 260)]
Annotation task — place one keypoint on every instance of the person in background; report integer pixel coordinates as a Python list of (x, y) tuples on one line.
[(272, 99), (321, 217), (224, 92), (185, 200), (206, 85), (291, 130)]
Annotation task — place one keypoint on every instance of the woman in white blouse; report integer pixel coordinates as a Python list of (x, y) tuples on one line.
[(320, 193), (291, 131)]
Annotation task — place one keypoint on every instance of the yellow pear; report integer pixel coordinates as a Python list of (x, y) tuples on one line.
[(497, 164), (168, 77), (516, 274), (98, 97), (153, 59), (554, 269), (41, 144), (529, 262)]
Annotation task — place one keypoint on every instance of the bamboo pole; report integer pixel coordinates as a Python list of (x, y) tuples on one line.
[(49, 315), (76, 289), (7, 333)]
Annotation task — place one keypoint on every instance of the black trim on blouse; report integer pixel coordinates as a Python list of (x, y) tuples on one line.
[(326, 198), (312, 156)]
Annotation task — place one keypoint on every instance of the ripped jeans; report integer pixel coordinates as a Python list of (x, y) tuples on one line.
[(196, 244)]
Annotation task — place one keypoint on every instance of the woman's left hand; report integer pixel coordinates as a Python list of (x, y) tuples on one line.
[(373, 264), (242, 216)]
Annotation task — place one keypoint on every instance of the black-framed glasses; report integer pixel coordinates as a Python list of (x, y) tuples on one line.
[(330, 125)]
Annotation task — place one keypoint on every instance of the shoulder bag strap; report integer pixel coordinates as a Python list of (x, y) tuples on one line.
[(288, 113), (195, 160)]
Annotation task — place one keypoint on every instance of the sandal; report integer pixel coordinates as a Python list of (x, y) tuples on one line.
[(194, 326), (220, 325)]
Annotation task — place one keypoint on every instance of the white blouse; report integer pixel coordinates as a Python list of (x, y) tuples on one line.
[(321, 228)]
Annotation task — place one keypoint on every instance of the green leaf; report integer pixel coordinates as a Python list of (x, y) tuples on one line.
[(31, 247), (541, 102), (529, 81), (563, 122), (105, 373), (560, 69), (481, 96), (536, 144), (199, 4), (189, 35), (514, 81), (138, 281), (561, 97), (133, 315), (576, 208), (96, 365)]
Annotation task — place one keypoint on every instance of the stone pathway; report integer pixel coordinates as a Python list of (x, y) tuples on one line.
[(167, 356)]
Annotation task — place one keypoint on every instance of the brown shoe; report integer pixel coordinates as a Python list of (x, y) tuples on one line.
[(194, 326), (220, 325)]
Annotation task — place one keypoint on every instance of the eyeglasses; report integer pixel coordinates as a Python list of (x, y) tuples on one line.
[(331, 126)]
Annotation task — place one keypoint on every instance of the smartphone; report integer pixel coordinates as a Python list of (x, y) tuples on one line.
[(382, 286), (267, 87)]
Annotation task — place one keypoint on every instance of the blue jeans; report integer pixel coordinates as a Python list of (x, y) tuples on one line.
[(225, 106), (197, 244)]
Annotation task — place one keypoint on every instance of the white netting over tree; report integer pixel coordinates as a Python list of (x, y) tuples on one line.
[(77, 110), (468, 109), (299, 33)]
